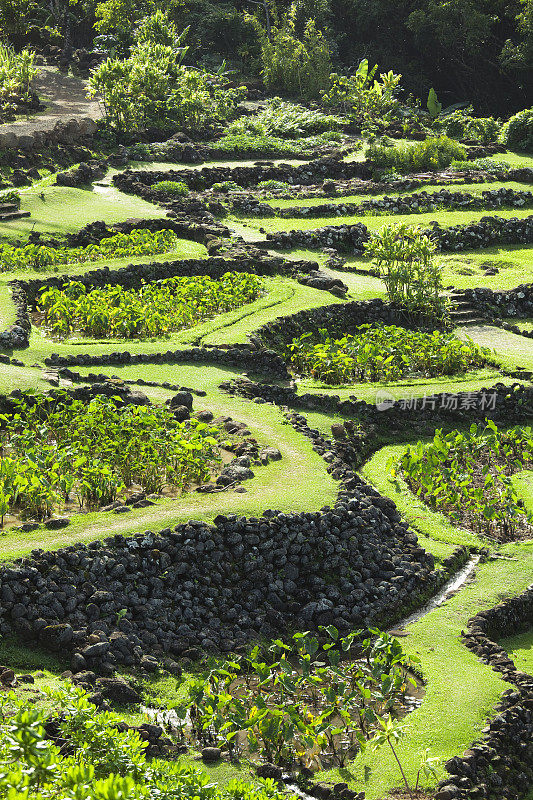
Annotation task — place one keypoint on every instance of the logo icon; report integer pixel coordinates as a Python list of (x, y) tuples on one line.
[(384, 400)]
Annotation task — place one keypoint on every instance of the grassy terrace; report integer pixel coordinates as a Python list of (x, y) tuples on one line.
[(455, 678)]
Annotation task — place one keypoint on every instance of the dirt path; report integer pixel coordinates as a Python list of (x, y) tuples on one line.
[(65, 97)]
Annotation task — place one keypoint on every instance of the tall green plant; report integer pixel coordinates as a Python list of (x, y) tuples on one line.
[(405, 258)]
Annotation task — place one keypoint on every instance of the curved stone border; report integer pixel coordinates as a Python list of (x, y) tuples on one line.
[(500, 766), (242, 357), (418, 202), (485, 233)]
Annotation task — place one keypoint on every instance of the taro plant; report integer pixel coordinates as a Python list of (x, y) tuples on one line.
[(299, 701), (38, 256), (383, 353), (96, 451), (468, 476), (153, 310)]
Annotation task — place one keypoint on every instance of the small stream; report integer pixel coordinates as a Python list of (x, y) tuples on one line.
[(451, 586)]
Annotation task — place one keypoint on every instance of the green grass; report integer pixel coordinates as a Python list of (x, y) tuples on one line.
[(65, 210), (523, 484), (7, 309), (520, 648), (472, 188), (461, 691), (373, 223), (461, 270), (510, 349)]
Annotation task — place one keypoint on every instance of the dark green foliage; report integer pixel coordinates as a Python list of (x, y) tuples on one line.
[(93, 452), (517, 133), (174, 188), (154, 310)]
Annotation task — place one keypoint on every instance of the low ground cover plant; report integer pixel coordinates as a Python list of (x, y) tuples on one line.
[(153, 310), (467, 476), (434, 153), (268, 146), (175, 188), (383, 353), (104, 762), (287, 120), (300, 702), (38, 256), (89, 454)]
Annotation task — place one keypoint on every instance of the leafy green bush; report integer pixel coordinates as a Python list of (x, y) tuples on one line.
[(405, 258), (95, 452), (16, 74), (175, 188), (107, 763), (462, 125), (366, 101), (226, 186), (38, 256), (288, 120), (517, 133), (273, 184), (383, 353), (467, 475), (152, 87), (433, 153), (153, 310), (11, 197)]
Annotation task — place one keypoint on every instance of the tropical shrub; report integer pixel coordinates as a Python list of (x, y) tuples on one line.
[(11, 197), (139, 242), (16, 73), (107, 763), (152, 87), (175, 188), (273, 184), (405, 258), (154, 309), (301, 699), (433, 153), (96, 451), (383, 353), (517, 133), (461, 124), (365, 100), (288, 120), (300, 66), (467, 476)]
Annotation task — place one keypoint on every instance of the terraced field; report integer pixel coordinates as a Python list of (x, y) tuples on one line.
[(300, 521)]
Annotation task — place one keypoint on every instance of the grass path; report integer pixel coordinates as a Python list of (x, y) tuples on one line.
[(511, 350)]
